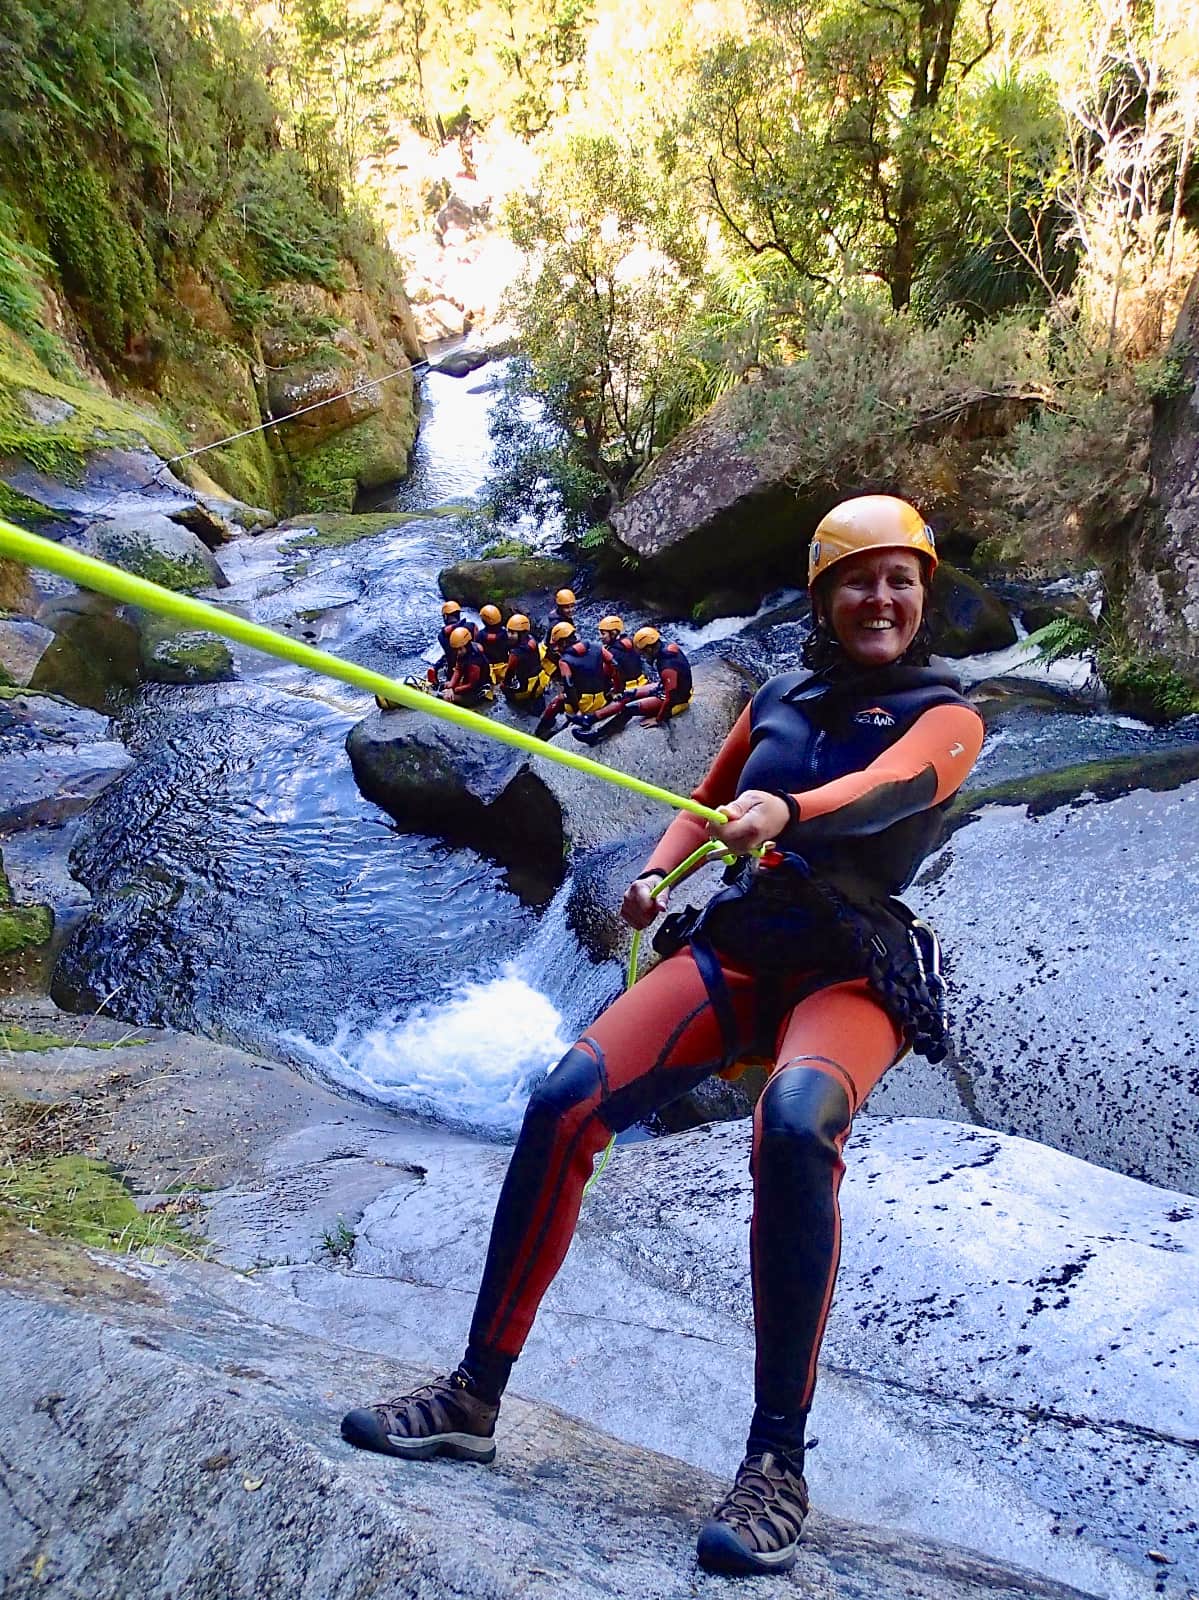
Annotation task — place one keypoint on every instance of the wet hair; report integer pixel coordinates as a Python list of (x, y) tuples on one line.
[(822, 650)]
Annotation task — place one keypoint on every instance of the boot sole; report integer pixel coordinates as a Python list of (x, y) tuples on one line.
[(361, 1429), (720, 1550)]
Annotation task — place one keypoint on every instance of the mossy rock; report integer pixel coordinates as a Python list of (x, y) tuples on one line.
[(22, 927), (95, 652), (154, 547), (324, 530), (170, 654), (367, 455), (477, 583), (724, 603), (967, 619)]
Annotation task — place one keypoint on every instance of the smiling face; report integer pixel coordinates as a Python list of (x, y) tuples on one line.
[(874, 603)]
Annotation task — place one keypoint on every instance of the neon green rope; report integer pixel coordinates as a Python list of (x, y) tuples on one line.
[(33, 551)]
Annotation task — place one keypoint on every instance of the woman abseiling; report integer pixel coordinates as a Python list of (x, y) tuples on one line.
[(844, 770)]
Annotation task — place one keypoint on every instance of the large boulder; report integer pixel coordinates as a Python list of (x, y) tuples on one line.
[(709, 496), (479, 583), (155, 546), (1161, 606), (435, 778), (1067, 910), (967, 619)]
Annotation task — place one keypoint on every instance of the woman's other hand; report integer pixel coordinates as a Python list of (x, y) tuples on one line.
[(639, 907), (755, 818)]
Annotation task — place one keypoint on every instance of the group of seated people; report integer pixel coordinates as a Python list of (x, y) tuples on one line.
[(597, 686)]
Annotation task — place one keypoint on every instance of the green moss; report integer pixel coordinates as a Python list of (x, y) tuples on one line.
[(1147, 687), (328, 529), (184, 573), (505, 547), (14, 1037), (74, 1197), (20, 508), (171, 654), (24, 927), (1102, 780), (60, 449)]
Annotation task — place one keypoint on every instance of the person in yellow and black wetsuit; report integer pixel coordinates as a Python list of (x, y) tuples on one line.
[(492, 639), (525, 676), (588, 676), (804, 958), (630, 669), (470, 680), (656, 703)]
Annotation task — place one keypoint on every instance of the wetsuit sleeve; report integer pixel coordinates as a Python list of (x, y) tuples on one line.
[(924, 767), (721, 783)]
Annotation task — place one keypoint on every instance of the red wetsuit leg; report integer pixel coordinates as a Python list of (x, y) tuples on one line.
[(655, 1042), (832, 1050)]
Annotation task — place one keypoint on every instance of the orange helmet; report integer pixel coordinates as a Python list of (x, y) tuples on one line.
[(450, 609), (490, 615), (611, 625), (869, 522), (646, 638), (459, 637), (518, 623), (561, 632), (565, 597)]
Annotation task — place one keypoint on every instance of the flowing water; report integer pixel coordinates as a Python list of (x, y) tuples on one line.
[(241, 886)]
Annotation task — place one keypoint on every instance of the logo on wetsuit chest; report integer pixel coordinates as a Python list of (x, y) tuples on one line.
[(875, 717)]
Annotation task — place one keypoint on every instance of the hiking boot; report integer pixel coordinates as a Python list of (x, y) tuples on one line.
[(442, 1418), (756, 1527)]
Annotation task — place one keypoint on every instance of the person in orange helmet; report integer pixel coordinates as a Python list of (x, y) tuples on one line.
[(833, 785), (630, 669), (525, 675), (492, 638), (469, 682), (667, 696), (451, 618)]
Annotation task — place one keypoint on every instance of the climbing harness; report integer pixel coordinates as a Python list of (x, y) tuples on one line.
[(31, 550)]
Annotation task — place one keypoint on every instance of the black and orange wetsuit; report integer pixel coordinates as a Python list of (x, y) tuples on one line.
[(870, 759), (524, 677), (588, 677), (447, 649), (493, 641), (470, 679), (657, 702)]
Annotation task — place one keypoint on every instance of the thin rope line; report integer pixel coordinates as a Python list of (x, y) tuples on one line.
[(274, 422)]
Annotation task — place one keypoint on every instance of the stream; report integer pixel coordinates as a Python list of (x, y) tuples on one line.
[(241, 886)]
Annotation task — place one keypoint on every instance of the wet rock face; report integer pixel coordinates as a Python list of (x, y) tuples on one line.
[(94, 652), (235, 1425), (1071, 950), (357, 437), (1161, 608), (434, 778)]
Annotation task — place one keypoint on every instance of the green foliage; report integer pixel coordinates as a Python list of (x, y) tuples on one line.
[(338, 1242), (294, 235), (504, 547), (1064, 636), (73, 1197), (599, 315)]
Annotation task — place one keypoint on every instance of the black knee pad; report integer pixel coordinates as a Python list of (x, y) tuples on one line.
[(576, 1078), (805, 1104)]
